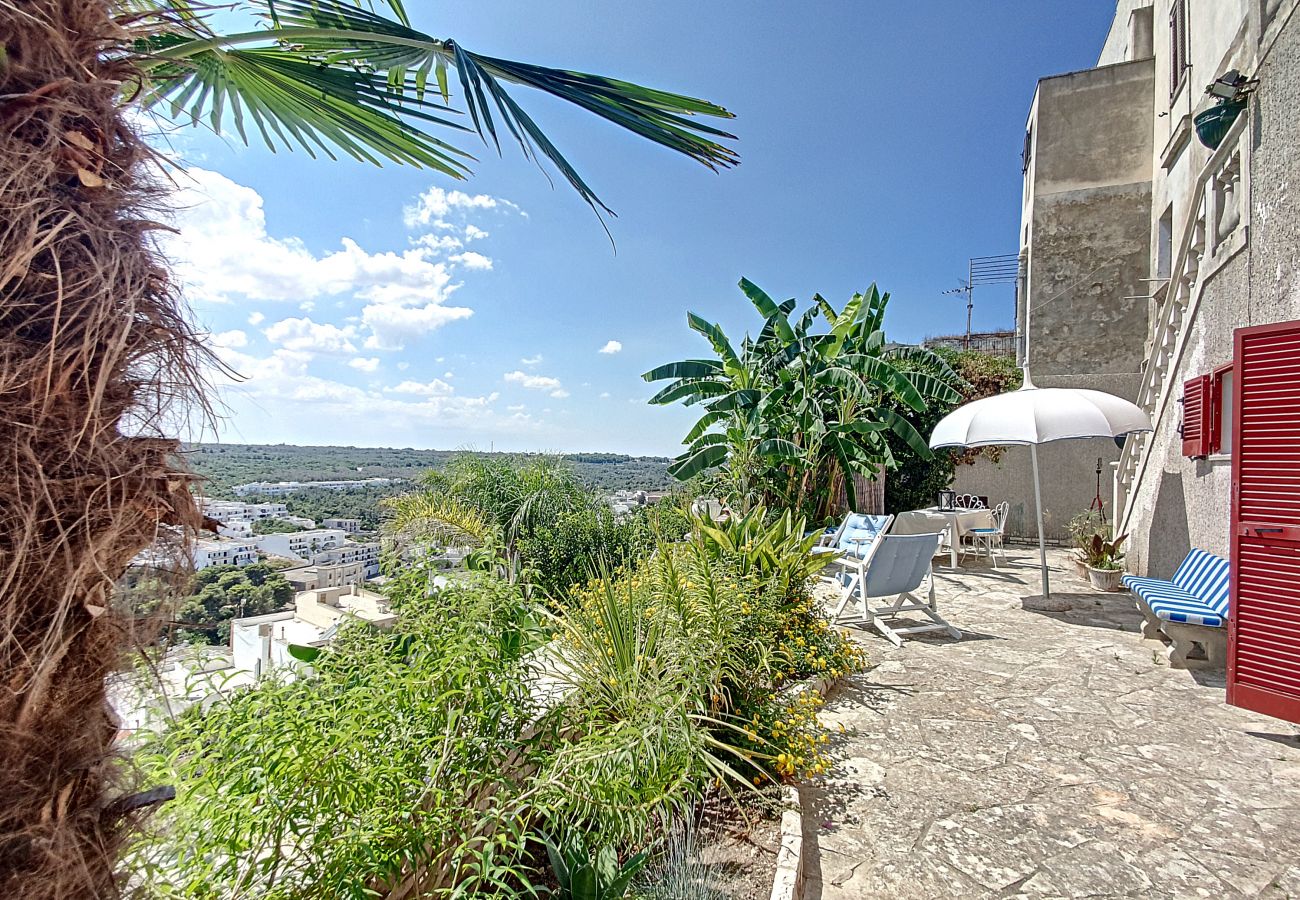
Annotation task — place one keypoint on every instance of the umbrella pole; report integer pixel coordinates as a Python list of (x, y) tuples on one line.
[(1038, 505)]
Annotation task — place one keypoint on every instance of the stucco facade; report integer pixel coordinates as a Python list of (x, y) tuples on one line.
[(1144, 250), (1248, 274), (1081, 304)]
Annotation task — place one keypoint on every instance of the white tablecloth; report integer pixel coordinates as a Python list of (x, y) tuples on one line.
[(923, 521)]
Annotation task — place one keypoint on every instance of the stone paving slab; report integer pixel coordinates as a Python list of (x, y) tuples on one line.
[(1047, 755)]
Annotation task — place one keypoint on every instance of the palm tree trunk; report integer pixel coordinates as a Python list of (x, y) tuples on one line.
[(94, 352)]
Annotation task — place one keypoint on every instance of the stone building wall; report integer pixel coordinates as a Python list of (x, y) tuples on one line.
[(1183, 503)]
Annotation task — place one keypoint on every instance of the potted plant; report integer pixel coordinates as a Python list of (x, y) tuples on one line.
[(1104, 567), (1082, 529)]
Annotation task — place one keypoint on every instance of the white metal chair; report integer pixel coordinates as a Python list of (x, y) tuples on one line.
[(990, 539), (852, 543), (969, 501), (898, 565)]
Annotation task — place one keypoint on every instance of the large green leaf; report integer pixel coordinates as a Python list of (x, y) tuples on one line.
[(718, 339), (768, 308), (705, 422), (736, 400), (889, 378), (686, 368), (688, 466), (689, 389), (779, 449), (907, 432)]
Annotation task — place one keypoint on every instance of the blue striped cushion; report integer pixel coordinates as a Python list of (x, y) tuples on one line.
[(1170, 602), (1205, 576)]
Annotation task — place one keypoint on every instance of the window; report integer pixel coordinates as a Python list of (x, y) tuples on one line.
[(1207, 423), (1165, 244), (1221, 410), (1177, 46), (1027, 153)]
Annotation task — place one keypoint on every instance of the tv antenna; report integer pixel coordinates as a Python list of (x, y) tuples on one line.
[(1002, 269)]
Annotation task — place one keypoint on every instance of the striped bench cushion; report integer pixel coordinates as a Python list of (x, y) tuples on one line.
[(1197, 595), (1170, 602), (1205, 576)]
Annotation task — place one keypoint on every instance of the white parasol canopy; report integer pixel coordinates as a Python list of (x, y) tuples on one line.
[(1034, 416)]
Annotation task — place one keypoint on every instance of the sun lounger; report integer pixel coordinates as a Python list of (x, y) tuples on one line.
[(851, 543), (1191, 610), (897, 565)]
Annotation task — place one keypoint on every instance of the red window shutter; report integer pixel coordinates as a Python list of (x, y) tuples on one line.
[(1214, 442), (1196, 416)]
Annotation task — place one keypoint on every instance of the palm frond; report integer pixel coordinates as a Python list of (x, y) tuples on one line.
[(335, 72)]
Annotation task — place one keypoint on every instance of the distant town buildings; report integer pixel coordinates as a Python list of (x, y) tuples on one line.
[(351, 526), (623, 502), (280, 488), (261, 643), (301, 546), (147, 698), (220, 553), (237, 518)]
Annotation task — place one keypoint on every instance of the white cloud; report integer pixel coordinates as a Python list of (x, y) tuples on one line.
[(471, 260), (435, 388), (611, 347), (434, 204), (518, 407), (364, 364), (604, 395), (232, 339), (311, 337), (392, 325), (448, 374), (474, 233), (279, 385), (403, 366), (225, 252), (256, 318), (531, 360), (533, 382), (559, 393), (438, 242)]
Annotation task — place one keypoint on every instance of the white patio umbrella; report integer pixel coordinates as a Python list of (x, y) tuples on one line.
[(1034, 416)]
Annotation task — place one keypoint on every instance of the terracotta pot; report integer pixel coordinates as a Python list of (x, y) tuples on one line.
[(1080, 564), (1105, 579)]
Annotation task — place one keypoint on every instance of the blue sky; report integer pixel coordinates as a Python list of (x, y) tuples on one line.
[(376, 307)]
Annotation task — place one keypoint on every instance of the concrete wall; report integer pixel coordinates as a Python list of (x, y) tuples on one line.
[(1086, 240), (1183, 503), (1088, 212)]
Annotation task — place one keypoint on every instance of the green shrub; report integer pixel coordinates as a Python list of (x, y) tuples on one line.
[(679, 667), (401, 760)]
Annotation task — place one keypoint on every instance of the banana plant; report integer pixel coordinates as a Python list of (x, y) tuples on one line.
[(793, 414)]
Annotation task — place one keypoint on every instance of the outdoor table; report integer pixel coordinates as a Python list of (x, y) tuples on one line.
[(954, 522)]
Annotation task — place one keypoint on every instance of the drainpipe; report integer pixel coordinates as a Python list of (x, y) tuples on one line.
[(1022, 302)]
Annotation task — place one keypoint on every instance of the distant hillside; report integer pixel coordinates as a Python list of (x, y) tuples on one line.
[(226, 465)]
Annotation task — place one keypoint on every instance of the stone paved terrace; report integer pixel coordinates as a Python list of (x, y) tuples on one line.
[(1047, 755)]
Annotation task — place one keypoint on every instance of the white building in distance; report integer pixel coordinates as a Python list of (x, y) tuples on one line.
[(280, 488), (301, 545), (227, 552)]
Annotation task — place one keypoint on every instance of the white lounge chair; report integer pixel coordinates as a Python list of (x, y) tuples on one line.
[(898, 565), (851, 543)]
